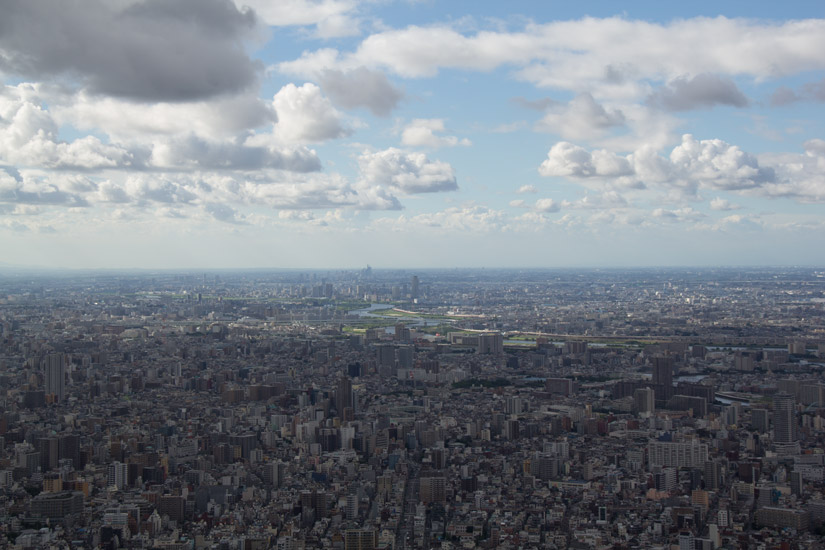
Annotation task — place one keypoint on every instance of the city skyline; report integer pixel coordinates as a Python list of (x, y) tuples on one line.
[(336, 134)]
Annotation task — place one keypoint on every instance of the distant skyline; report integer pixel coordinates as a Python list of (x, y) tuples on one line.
[(211, 134)]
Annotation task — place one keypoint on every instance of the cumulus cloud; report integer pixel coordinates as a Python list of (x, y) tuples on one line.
[(191, 152), (716, 164), (547, 206), (723, 205), (304, 116), (567, 159), (798, 176), (421, 132), (223, 212), (527, 189), (320, 191), (408, 173), (29, 138), (607, 200), (701, 91), (582, 118), (712, 164), (149, 50), (126, 121), (361, 87), (16, 189)]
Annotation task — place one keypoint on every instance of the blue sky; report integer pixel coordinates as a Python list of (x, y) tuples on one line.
[(337, 133)]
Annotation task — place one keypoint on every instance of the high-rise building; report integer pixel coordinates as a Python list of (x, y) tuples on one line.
[(686, 541), (54, 368), (69, 448), (689, 454), (643, 400), (784, 418), (414, 287), (360, 539), (48, 447), (760, 420), (663, 370), (433, 489), (492, 342), (343, 395), (118, 475), (713, 475), (386, 355)]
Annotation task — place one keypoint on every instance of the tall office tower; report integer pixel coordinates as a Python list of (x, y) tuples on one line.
[(274, 473), (797, 483), (663, 370), (48, 447), (784, 418), (644, 400), (414, 287), (118, 475), (68, 447), (760, 420), (713, 475), (54, 368), (343, 395), (386, 355)]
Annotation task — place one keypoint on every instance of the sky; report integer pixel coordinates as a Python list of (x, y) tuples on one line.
[(188, 134)]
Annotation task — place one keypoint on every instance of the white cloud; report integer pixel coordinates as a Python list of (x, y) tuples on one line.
[(192, 153), (583, 118), (609, 55), (723, 205), (608, 200), (125, 121), (333, 18), (693, 164), (155, 136), (716, 164), (547, 206), (16, 189), (405, 172), (798, 176), (527, 189), (223, 212), (567, 159), (28, 137), (421, 132), (305, 116)]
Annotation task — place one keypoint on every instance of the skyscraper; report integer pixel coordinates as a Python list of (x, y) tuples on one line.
[(643, 400), (54, 368), (784, 418), (414, 287), (663, 370), (343, 395)]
